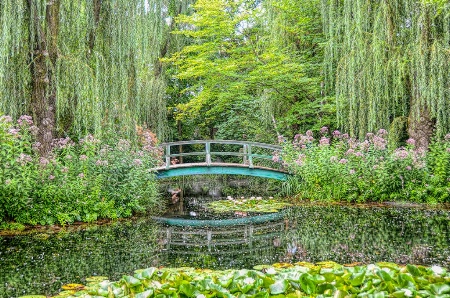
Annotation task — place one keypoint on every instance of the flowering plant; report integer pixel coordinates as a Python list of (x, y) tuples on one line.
[(339, 167), (76, 181)]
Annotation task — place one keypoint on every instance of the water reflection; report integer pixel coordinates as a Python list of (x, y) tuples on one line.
[(227, 243), (42, 262)]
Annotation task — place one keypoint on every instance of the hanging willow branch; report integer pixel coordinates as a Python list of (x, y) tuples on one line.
[(103, 68), (386, 59)]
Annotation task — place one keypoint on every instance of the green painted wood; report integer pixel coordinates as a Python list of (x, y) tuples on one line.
[(220, 222), (221, 170)]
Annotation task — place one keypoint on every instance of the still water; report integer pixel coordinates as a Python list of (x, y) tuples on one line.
[(42, 262)]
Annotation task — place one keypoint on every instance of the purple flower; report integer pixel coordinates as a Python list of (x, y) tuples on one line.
[(83, 157), (343, 161), (352, 172), (8, 181), (349, 152), (379, 143), (345, 136), (23, 159), (333, 159), (447, 137), (324, 141), (276, 158), (43, 161), (309, 133), (25, 119), (51, 177), (401, 153), (81, 175), (359, 154), (137, 162), (375, 167), (100, 162), (34, 130), (336, 133), (411, 141), (369, 135), (382, 132), (68, 156), (324, 130), (14, 131), (6, 118), (65, 169), (123, 145), (408, 168)]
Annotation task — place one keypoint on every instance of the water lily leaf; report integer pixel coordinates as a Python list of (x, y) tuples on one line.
[(406, 281), (413, 270), (282, 265), (66, 293), (33, 296), (307, 284), (326, 288), (358, 278), (329, 276), (318, 279), (96, 278), (187, 289), (440, 289), (73, 287), (279, 287), (145, 294), (389, 265), (340, 294), (384, 275), (132, 281)]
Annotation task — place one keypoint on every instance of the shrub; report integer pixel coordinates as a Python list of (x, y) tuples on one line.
[(338, 167), (82, 181)]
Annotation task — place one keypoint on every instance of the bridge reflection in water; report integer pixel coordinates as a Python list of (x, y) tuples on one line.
[(223, 243)]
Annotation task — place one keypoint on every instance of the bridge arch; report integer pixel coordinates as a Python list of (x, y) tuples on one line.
[(246, 158)]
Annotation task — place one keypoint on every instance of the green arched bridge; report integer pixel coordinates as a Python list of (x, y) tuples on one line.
[(224, 157)]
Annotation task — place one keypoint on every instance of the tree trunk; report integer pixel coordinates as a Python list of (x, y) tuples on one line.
[(43, 61), (420, 127)]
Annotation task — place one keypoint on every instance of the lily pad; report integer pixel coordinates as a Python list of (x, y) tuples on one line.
[(96, 278), (73, 287)]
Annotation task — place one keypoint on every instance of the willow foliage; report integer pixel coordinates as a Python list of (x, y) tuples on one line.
[(386, 59), (105, 72)]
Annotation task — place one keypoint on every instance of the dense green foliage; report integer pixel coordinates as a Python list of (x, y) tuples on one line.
[(385, 59), (343, 168), (83, 66), (81, 181), (326, 279), (251, 68)]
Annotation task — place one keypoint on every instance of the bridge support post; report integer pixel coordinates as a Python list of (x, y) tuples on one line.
[(250, 157), (208, 153), (167, 157)]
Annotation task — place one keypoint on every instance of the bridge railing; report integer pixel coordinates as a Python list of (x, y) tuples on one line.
[(248, 151)]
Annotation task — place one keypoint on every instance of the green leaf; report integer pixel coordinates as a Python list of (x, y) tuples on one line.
[(413, 270), (357, 278), (384, 275), (307, 284), (440, 288), (279, 287)]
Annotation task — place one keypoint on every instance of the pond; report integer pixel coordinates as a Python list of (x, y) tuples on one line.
[(41, 262)]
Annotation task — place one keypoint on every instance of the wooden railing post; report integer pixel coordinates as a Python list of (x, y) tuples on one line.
[(250, 157), (208, 153), (245, 154), (167, 156)]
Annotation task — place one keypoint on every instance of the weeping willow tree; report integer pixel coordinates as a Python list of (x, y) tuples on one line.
[(387, 59), (83, 66)]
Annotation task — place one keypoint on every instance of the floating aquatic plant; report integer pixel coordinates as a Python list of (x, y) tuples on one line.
[(324, 279), (253, 204)]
